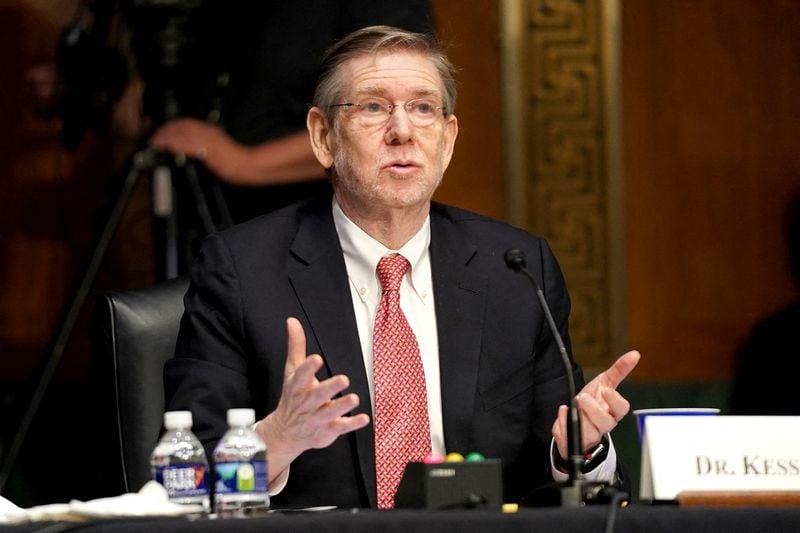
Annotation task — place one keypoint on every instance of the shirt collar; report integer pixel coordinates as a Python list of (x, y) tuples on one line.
[(362, 253)]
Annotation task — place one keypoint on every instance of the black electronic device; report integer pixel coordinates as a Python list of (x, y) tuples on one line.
[(451, 485)]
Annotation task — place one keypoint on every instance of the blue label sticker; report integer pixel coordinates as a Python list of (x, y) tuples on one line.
[(241, 477), (184, 480)]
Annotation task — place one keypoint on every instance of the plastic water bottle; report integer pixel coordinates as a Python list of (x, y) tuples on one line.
[(179, 462), (240, 463)]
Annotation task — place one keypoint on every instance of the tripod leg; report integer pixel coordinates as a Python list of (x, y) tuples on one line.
[(226, 220), (72, 311), (182, 215), (197, 218), (201, 205), (165, 210)]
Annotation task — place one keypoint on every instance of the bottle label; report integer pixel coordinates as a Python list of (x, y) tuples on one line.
[(244, 476), (185, 480)]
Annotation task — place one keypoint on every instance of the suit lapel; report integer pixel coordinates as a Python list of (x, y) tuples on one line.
[(460, 301), (319, 277)]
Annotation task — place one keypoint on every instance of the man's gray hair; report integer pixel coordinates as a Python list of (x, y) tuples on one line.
[(375, 40)]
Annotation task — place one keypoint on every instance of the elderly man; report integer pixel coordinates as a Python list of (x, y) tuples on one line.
[(421, 339)]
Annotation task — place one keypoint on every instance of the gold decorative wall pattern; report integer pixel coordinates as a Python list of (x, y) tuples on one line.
[(562, 152)]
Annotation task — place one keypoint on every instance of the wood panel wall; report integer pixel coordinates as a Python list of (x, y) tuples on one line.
[(475, 177), (711, 154), (52, 204), (47, 206)]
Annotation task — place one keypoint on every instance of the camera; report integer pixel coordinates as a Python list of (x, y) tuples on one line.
[(109, 40)]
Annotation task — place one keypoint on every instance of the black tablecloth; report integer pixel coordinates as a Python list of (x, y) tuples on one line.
[(636, 518)]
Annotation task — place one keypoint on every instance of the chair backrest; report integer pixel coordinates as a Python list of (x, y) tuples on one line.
[(139, 329)]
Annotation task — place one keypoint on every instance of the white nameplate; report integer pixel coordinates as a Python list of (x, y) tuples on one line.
[(731, 453)]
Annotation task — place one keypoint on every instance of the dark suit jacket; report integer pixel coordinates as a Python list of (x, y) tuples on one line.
[(502, 378)]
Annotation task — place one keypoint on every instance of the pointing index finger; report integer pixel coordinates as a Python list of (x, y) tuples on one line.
[(296, 352), (621, 368)]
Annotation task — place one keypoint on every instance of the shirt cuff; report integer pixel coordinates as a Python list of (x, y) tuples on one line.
[(604, 472), (280, 482)]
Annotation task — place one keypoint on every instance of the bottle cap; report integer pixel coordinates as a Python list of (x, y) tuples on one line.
[(241, 417), (177, 419)]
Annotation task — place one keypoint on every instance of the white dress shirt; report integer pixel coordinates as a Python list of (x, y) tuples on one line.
[(361, 256)]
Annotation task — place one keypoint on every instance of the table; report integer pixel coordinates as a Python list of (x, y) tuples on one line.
[(636, 518)]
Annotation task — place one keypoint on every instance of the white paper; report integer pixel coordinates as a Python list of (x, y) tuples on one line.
[(151, 500)]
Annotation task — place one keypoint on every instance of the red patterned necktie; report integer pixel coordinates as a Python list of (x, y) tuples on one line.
[(402, 433)]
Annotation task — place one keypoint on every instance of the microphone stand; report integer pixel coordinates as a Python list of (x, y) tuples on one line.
[(576, 491)]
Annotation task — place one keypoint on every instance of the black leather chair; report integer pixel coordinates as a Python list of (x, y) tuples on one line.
[(138, 329)]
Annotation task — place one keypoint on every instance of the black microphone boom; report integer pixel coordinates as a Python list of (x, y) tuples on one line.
[(576, 491), (573, 495)]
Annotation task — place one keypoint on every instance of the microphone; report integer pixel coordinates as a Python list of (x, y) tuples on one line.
[(576, 491)]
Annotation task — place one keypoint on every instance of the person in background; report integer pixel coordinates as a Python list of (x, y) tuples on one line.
[(226, 85), (262, 65), (371, 327), (767, 361)]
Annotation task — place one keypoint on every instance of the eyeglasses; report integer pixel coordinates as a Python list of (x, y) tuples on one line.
[(377, 111)]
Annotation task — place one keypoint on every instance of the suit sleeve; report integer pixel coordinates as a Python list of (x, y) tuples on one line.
[(555, 290), (208, 374)]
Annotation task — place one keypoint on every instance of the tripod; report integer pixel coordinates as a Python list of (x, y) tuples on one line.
[(167, 241)]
